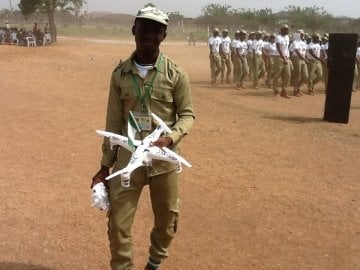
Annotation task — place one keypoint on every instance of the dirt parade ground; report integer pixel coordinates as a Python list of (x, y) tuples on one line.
[(272, 186)]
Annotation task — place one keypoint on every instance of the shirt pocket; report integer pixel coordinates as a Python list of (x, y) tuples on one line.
[(165, 96), (127, 93)]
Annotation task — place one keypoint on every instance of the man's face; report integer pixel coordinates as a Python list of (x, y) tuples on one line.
[(148, 34), (285, 31), (225, 34), (242, 36), (215, 33)]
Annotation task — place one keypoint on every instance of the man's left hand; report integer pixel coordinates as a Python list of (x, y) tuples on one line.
[(163, 142)]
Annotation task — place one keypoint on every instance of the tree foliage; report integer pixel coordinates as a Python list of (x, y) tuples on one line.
[(309, 17), (28, 7)]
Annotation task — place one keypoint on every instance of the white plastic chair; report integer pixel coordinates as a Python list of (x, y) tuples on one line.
[(14, 39), (47, 38), (31, 41)]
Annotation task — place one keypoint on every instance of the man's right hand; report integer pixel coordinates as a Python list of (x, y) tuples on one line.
[(100, 177)]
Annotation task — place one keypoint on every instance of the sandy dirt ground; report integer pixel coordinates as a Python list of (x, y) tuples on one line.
[(272, 186)]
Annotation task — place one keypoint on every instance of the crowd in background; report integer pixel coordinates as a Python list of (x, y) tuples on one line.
[(280, 60), (10, 35)]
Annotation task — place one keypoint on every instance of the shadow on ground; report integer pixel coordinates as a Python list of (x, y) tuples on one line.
[(21, 266), (294, 119)]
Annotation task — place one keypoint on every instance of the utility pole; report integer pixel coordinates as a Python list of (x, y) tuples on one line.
[(11, 8)]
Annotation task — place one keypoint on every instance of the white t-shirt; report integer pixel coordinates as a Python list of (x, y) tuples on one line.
[(249, 44), (257, 46), (300, 46), (242, 47), (358, 53), (214, 43), (316, 49), (324, 48), (284, 45), (143, 69), (225, 44), (270, 49)]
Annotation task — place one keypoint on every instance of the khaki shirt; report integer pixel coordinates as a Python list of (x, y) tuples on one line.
[(170, 100)]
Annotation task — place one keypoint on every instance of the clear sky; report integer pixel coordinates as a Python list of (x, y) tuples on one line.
[(191, 8)]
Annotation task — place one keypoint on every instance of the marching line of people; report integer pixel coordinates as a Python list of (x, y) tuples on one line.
[(274, 58)]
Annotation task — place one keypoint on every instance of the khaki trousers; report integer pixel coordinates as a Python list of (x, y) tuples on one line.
[(269, 69), (259, 69), (225, 64), (250, 61), (325, 74), (281, 70), (315, 73), (123, 204), (300, 73), (215, 66)]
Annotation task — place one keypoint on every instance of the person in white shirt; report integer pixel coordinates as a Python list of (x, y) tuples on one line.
[(241, 51), (299, 61), (234, 58), (249, 55), (281, 61), (215, 59), (258, 62), (269, 54), (225, 56), (324, 56), (314, 63), (357, 68)]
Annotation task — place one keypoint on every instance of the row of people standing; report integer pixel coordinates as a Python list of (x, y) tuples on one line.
[(272, 57)]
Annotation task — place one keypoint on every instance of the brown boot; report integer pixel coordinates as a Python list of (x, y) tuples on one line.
[(284, 94), (297, 94)]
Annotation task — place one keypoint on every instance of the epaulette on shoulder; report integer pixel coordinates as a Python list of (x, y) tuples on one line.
[(174, 65), (120, 65)]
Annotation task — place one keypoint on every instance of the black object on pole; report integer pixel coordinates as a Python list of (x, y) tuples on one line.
[(341, 65)]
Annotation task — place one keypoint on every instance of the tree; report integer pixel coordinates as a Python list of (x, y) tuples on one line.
[(313, 18), (28, 7), (216, 14), (149, 5)]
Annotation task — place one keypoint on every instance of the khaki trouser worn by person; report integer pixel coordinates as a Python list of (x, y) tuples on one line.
[(123, 204), (244, 70), (281, 70), (315, 73), (250, 61), (300, 73), (215, 66), (259, 69), (325, 74), (225, 64), (269, 70)]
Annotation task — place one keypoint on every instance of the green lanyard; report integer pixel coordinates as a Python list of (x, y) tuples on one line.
[(147, 87)]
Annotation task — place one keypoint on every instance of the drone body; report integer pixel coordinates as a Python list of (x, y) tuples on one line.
[(143, 151)]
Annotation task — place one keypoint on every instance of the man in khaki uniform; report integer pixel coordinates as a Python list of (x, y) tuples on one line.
[(225, 51), (269, 53), (214, 56), (357, 68), (298, 58), (148, 81), (324, 56), (282, 62), (314, 63), (250, 55), (258, 61)]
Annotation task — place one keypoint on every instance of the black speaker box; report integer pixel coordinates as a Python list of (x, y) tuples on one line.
[(341, 65)]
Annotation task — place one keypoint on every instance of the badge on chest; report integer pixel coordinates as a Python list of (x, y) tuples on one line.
[(143, 119)]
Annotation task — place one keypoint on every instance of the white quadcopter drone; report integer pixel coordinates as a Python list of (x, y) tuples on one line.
[(143, 151)]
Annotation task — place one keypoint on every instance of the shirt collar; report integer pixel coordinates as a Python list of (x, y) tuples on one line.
[(130, 65)]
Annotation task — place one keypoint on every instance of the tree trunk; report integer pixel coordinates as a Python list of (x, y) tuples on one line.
[(50, 10)]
